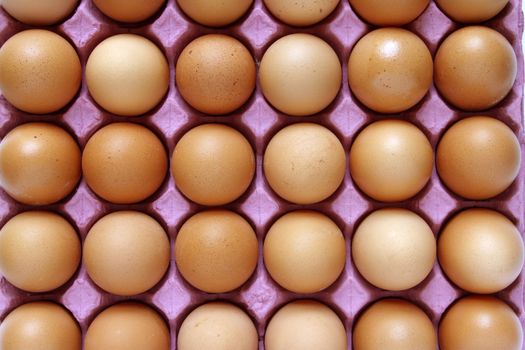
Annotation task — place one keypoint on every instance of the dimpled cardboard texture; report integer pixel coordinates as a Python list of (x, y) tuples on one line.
[(260, 297)]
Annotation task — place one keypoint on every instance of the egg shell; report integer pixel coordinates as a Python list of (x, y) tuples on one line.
[(215, 13), (38, 326), (128, 326), (129, 11), (303, 12), (472, 11), (39, 12), (217, 325), (40, 71), (39, 163), (385, 13), (300, 74)]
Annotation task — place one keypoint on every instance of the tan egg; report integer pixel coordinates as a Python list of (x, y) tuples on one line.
[(39, 12), (471, 11), (124, 163), (301, 13), (216, 251), (478, 157), (217, 325), (304, 163), (40, 71), (213, 164), (215, 74), (128, 326), (391, 160), (386, 13), (394, 324), (475, 68), (127, 74), (215, 13), (129, 11), (390, 70), (394, 249), (126, 253), (40, 326), (300, 74), (304, 251), (39, 163), (39, 251), (481, 251), (305, 325), (480, 323)]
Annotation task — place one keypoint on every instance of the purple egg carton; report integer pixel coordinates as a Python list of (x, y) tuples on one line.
[(261, 297)]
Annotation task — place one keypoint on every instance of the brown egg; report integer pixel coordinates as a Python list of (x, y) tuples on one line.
[(386, 13), (301, 13), (40, 71), (478, 157), (215, 13), (124, 163), (40, 326), (300, 74), (216, 251), (129, 11), (39, 163), (471, 11), (39, 12), (394, 324), (304, 163), (304, 251), (481, 251), (128, 326), (475, 68), (394, 249), (126, 253), (305, 325), (213, 164), (127, 74), (390, 70), (391, 160), (217, 325), (480, 323), (39, 251), (215, 74)]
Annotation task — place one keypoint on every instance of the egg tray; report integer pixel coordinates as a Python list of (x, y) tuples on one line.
[(261, 297)]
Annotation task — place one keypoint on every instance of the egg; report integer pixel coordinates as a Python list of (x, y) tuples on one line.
[(215, 13), (475, 68), (39, 251), (213, 164), (124, 163), (394, 324), (126, 253), (304, 163), (301, 13), (304, 251), (480, 323), (217, 325), (300, 74), (215, 74), (481, 251), (127, 74), (40, 71), (471, 11), (305, 325), (129, 11), (478, 157), (40, 326), (390, 70), (39, 12), (216, 251), (128, 326), (394, 249), (391, 160), (39, 163), (386, 13)]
